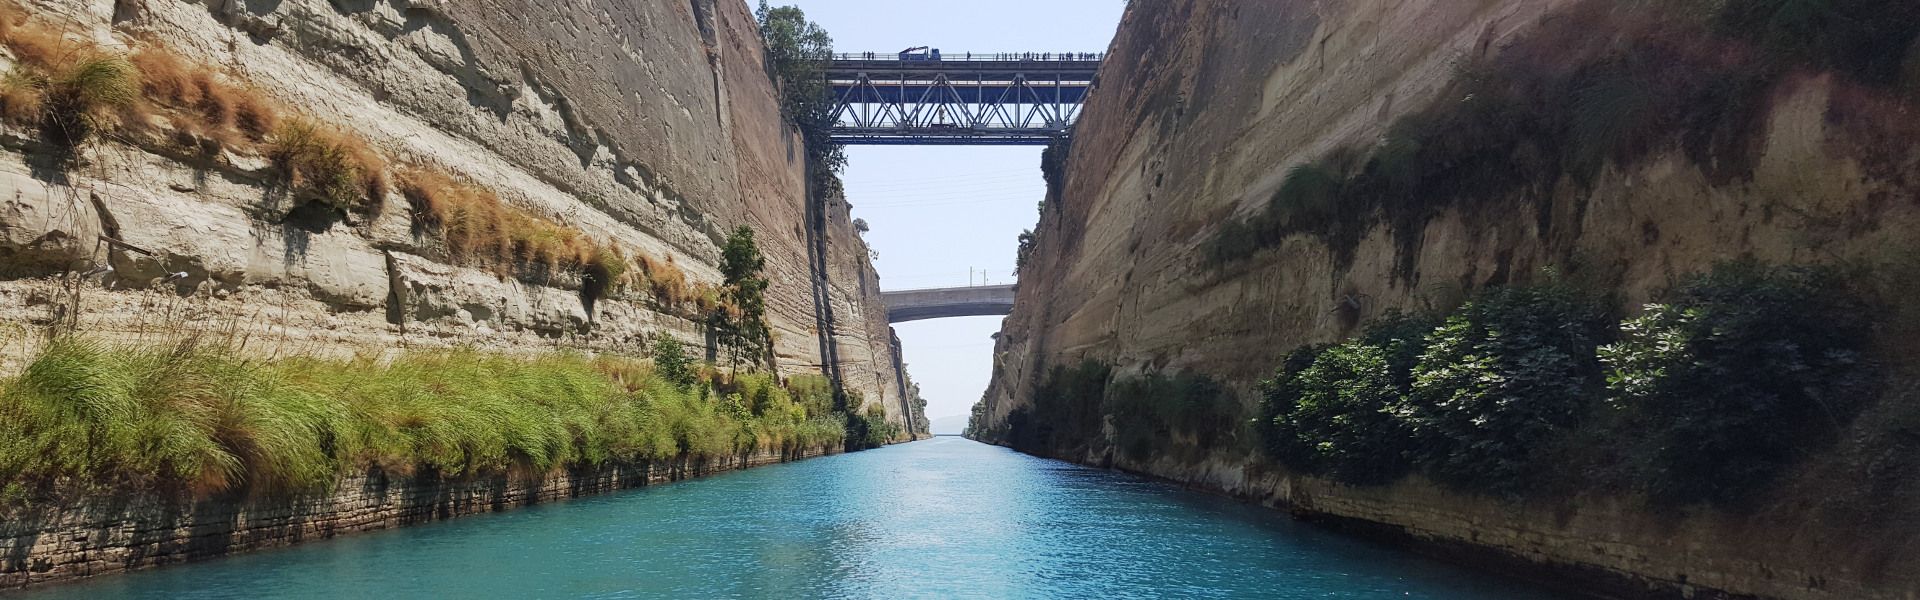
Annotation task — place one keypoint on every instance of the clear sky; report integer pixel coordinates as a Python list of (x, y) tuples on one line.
[(939, 211)]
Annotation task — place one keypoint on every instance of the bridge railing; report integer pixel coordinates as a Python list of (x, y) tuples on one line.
[(978, 57)]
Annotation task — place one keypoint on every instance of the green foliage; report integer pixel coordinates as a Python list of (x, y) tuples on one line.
[(1329, 410), (1025, 252), (1501, 380), (197, 419), (1067, 410), (1148, 412), (813, 392), (1737, 374), (1866, 39), (870, 429), (798, 51), (1053, 166), (81, 95), (671, 362), (1597, 85), (744, 327)]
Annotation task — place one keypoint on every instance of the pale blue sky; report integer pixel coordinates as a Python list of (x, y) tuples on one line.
[(937, 212)]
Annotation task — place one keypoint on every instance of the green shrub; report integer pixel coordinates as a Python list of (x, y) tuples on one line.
[(1331, 409), (1866, 39), (202, 420), (1503, 379), (1737, 374), (671, 362), (1147, 412), (1067, 410), (869, 428)]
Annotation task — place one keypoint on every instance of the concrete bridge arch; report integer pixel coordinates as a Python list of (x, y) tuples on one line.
[(940, 303)]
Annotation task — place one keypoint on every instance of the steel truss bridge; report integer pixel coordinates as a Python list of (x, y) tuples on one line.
[(958, 99)]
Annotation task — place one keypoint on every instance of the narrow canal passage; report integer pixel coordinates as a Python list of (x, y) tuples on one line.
[(946, 518)]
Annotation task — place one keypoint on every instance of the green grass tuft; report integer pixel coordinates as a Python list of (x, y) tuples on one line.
[(204, 420)]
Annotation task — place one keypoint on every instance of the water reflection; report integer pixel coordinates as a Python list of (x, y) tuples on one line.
[(946, 518)]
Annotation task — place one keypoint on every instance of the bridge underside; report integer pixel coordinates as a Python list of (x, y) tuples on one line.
[(915, 305), (957, 101), (921, 313)]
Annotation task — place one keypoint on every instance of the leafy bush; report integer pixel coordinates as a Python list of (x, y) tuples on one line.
[(1148, 411), (1330, 410), (1737, 374), (1501, 380), (870, 429), (798, 51), (1067, 410), (671, 361)]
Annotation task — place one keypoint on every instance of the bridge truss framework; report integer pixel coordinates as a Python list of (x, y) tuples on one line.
[(992, 100)]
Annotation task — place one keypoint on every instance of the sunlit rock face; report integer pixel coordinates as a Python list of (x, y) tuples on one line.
[(1204, 108), (650, 126)]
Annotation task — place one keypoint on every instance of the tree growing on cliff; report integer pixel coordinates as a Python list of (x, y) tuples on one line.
[(797, 54), (744, 328)]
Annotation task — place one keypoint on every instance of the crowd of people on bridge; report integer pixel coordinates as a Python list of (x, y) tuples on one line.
[(1002, 56)]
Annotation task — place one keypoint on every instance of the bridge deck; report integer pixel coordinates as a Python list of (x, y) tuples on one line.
[(938, 303), (961, 99)]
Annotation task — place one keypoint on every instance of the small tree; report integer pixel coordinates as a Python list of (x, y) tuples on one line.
[(798, 51), (745, 328), (671, 362)]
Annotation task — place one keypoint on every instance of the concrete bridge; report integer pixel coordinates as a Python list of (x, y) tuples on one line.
[(940, 303)]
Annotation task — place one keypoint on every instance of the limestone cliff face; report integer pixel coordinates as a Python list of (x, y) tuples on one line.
[(652, 125), (1205, 106)]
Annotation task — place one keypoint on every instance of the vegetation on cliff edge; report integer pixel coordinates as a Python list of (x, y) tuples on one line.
[(198, 419), (1602, 83), (1734, 376)]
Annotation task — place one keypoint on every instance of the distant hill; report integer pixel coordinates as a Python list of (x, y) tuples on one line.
[(951, 424)]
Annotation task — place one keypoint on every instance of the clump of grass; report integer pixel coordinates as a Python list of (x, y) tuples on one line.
[(165, 78), (74, 90), (483, 230), (206, 104), (325, 165), (84, 95), (206, 419), (22, 100), (34, 45)]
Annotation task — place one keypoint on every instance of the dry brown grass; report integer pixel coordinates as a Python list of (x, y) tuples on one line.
[(202, 101), (21, 100), (323, 164), (165, 78), (482, 231), (37, 46)]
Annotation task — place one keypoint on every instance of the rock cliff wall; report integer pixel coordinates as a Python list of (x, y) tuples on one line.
[(651, 127), (1203, 109), (99, 536)]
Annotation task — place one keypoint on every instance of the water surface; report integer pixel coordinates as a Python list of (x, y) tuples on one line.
[(945, 518)]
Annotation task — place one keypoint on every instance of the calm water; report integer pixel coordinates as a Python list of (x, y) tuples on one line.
[(946, 518)]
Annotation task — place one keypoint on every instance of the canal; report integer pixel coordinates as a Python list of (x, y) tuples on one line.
[(945, 518)]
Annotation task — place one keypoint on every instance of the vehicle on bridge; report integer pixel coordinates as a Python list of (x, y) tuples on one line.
[(920, 53)]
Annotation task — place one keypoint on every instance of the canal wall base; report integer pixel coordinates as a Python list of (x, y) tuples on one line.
[(96, 536), (1593, 546)]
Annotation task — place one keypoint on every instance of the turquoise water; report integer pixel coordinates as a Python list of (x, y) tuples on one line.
[(945, 518)]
